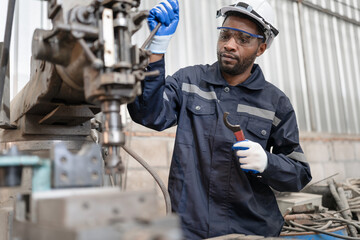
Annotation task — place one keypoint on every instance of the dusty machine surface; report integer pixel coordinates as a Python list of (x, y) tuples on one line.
[(56, 150)]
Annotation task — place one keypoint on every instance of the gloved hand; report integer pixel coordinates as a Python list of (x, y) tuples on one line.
[(251, 155), (166, 13)]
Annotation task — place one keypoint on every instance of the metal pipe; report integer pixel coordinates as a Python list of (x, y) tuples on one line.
[(155, 176), (4, 61)]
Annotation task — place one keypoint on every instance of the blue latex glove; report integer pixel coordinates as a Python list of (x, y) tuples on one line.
[(166, 13), (252, 156)]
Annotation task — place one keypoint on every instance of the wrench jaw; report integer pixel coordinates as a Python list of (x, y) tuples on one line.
[(236, 129), (230, 126)]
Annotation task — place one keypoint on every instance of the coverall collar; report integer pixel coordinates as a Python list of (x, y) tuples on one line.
[(255, 82)]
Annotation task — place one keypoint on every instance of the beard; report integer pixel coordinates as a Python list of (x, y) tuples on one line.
[(239, 67)]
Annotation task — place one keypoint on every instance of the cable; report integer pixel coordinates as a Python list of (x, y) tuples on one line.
[(294, 229), (339, 220), (155, 176), (326, 226), (324, 179)]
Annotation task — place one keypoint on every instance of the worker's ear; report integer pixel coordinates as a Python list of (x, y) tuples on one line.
[(261, 49)]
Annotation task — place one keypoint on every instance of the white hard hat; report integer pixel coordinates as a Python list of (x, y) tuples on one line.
[(260, 11)]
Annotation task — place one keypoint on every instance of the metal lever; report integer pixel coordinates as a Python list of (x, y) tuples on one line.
[(151, 36)]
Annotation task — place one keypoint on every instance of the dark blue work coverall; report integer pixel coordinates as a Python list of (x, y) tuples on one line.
[(208, 189)]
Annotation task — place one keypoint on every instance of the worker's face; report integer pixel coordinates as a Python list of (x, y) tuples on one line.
[(235, 52)]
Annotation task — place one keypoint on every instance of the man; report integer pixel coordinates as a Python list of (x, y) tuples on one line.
[(215, 190)]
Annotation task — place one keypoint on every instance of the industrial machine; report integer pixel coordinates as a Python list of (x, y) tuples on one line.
[(63, 133)]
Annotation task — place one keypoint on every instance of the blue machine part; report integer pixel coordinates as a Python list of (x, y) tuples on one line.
[(314, 236), (41, 177)]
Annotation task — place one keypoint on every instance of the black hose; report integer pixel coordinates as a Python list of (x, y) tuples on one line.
[(155, 176), (323, 232), (4, 60)]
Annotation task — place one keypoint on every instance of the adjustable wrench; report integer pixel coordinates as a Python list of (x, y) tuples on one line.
[(239, 135)]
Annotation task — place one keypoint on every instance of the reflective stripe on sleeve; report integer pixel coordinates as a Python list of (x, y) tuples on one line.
[(191, 88), (165, 97), (297, 156), (276, 121)]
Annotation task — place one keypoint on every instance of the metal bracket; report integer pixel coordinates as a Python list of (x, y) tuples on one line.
[(82, 170)]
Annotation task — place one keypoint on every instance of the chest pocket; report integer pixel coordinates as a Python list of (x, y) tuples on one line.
[(201, 114), (259, 129), (199, 106)]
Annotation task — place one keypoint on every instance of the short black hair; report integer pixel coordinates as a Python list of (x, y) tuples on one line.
[(259, 28)]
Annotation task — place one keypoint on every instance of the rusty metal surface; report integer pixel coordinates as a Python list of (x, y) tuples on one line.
[(41, 95), (68, 115), (43, 85), (306, 208), (30, 125)]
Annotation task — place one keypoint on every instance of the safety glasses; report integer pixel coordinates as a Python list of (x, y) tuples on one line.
[(241, 37)]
